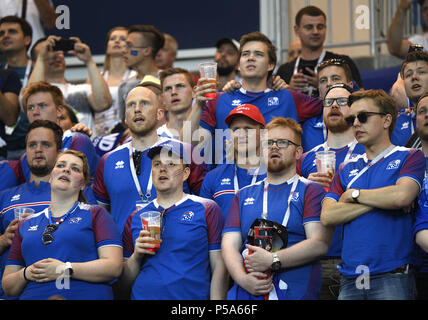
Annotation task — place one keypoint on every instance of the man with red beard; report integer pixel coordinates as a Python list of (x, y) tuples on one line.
[(341, 140), (289, 271)]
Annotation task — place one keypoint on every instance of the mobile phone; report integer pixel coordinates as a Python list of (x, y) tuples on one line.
[(303, 68), (64, 45)]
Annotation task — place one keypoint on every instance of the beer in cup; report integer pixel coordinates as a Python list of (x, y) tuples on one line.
[(326, 162), (209, 70), (151, 221)]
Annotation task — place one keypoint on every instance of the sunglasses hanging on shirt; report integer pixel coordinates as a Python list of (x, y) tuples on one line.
[(137, 161), (47, 237)]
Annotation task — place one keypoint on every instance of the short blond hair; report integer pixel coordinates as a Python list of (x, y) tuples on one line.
[(42, 86)]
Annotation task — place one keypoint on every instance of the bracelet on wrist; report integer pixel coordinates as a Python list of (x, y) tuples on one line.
[(25, 277)]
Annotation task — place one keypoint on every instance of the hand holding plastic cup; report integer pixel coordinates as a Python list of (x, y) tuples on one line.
[(326, 162), (209, 70), (151, 221), (22, 212)]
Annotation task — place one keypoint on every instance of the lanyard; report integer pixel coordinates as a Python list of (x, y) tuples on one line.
[(351, 147), (135, 178), (73, 208), (320, 59), (290, 196), (235, 179), (27, 73), (372, 163)]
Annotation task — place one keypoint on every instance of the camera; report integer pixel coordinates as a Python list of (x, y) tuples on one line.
[(64, 45)]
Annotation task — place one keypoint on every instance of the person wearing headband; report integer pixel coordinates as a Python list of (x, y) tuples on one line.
[(370, 196)]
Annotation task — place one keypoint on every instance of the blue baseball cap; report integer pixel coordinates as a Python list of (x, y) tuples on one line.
[(177, 147)]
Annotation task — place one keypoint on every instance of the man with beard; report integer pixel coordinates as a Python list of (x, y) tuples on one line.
[(293, 272), (330, 72), (342, 141), (301, 73), (43, 143), (227, 58), (123, 181), (370, 196)]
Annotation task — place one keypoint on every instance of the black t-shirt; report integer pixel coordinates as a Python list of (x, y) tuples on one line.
[(286, 70), (9, 82)]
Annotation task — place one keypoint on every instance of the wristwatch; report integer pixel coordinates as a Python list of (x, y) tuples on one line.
[(355, 194), (68, 270), (276, 263)]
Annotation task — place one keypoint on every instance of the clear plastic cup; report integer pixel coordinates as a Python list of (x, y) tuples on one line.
[(151, 221), (23, 212), (326, 162)]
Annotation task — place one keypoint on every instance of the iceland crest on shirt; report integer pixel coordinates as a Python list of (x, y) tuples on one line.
[(187, 216), (273, 101), (393, 164)]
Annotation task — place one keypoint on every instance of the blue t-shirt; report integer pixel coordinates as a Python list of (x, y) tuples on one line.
[(380, 239), (11, 174), (24, 195), (180, 269), (73, 141), (77, 239), (297, 283), (114, 185), (282, 103), (219, 183), (421, 223), (307, 164), (314, 133), (404, 128)]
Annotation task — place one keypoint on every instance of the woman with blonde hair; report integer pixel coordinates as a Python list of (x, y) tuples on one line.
[(70, 249), (115, 72)]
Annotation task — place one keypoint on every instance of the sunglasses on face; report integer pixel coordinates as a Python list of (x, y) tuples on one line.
[(362, 117), (281, 143), (342, 102)]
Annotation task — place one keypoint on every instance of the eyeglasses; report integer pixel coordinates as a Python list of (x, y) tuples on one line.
[(281, 143), (342, 102), (47, 237), (362, 117)]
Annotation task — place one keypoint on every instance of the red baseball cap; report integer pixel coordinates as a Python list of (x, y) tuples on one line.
[(247, 110)]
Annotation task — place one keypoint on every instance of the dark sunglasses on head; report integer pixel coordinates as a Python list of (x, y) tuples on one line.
[(362, 117), (340, 102), (281, 143), (331, 62)]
